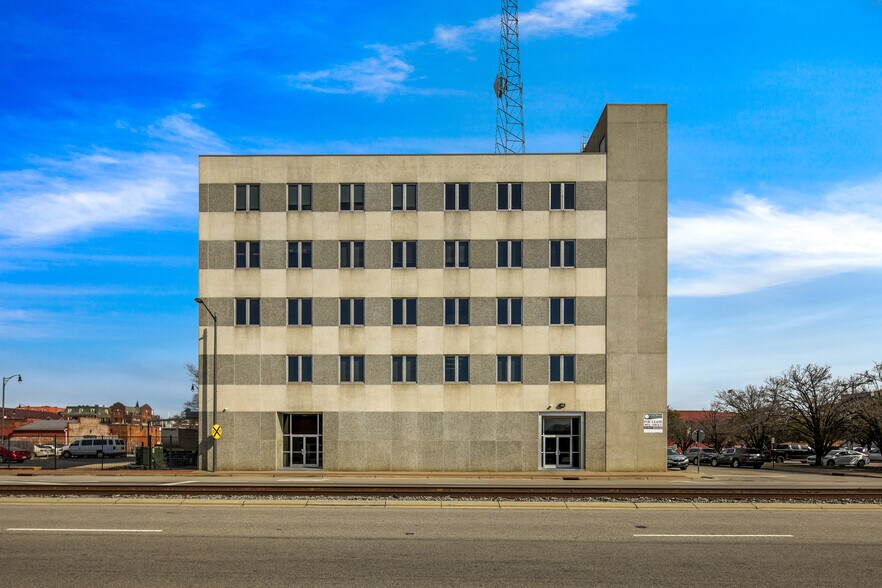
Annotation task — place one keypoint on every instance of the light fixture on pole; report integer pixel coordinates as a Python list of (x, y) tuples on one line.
[(3, 412), (213, 316)]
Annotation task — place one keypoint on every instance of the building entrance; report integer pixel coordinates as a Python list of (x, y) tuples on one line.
[(561, 441), (302, 440)]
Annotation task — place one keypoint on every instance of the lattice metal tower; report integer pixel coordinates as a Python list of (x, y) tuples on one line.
[(508, 85)]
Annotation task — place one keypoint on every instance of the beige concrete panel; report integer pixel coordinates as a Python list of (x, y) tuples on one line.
[(484, 339), (591, 167), (431, 225), (590, 339), (622, 157), (352, 170), (326, 340), (477, 282), (509, 397), (405, 226), (622, 210), (273, 226), (482, 398), (564, 281), (430, 398), (562, 169), (509, 283), (273, 284), (507, 340), (535, 397), (652, 265), (562, 394), (652, 336), (245, 285), (652, 377), (536, 223), (273, 168), (403, 284), (273, 398), (482, 225), (590, 224), (652, 201), (430, 341), (537, 168), (217, 226), (404, 398), (228, 398), (372, 283), (456, 281), (404, 340), (622, 266), (377, 226), (377, 398), (298, 170), (247, 226), (326, 398), (457, 341), (623, 113), (623, 329), (352, 341), (273, 340), (326, 170), (455, 226), (350, 226), (562, 225), (537, 282), (352, 398), (216, 283), (534, 341), (457, 397), (509, 225), (561, 340), (621, 382), (590, 397), (430, 282), (622, 430), (380, 339), (298, 341), (298, 283), (652, 141)]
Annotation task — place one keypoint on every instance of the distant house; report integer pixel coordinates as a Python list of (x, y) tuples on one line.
[(52, 409), (130, 415), (102, 413), (60, 430), (17, 417)]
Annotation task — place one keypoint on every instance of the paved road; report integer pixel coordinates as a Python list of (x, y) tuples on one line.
[(369, 546)]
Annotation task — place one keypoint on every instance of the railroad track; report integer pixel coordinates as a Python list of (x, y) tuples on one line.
[(441, 491)]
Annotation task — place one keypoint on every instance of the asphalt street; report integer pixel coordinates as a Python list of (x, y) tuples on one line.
[(207, 545)]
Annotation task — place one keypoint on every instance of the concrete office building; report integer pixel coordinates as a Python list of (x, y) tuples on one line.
[(440, 312)]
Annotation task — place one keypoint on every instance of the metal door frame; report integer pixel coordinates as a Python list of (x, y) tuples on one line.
[(319, 437), (581, 444)]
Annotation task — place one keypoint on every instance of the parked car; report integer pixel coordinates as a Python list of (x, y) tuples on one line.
[(875, 455), (675, 460), (43, 450), (783, 451), (95, 448), (846, 457), (16, 455), (739, 456), (707, 454)]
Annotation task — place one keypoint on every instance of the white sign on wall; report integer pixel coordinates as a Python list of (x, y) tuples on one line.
[(653, 422)]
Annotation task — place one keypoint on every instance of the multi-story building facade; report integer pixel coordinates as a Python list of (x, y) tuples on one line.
[(439, 312)]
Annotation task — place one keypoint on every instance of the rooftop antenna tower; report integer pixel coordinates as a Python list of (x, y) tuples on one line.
[(508, 85)]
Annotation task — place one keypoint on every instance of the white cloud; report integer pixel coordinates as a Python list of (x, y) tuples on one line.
[(754, 244), (65, 197), (380, 75), (580, 18)]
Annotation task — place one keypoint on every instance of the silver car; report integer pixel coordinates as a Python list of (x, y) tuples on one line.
[(846, 457), (675, 460)]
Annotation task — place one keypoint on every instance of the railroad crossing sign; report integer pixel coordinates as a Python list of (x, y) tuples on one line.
[(216, 431)]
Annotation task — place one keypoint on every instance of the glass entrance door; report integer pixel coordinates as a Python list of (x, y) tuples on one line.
[(561, 441), (302, 440)]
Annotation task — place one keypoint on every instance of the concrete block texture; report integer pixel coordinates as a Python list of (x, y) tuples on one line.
[(482, 196), (591, 196), (221, 197), (325, 197), (273, 197), (536, 253), (482, 254), (325, 255), (536, 196), (273, 254)]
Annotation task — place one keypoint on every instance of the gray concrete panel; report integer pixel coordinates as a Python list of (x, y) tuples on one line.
[(535, 312), (378, 369), (430, 312), (203, 254), (378, 197), (274, 312), (591, 310), (246, 370), (482, 254), (273, 370), (482, 312), (591, 253), (430, 197), (273, 197), (221, 198), (591, 196), (377, 254), (377, 312), (203, 197), (482, 369), (325, 312), (223, 309), (595, 441), (273, 254), (430, 254), (536, 252), (325, 369), (591, 369), (535, 196), (482, 196), (221, 254), (326, 197), (325, 254), (430, 369), (535, 369)]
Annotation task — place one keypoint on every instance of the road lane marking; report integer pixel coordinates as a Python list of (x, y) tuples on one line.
[(179, 483), (699, 535), (85, 530)]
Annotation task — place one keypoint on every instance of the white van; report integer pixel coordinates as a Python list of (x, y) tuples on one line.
[(95, 448)]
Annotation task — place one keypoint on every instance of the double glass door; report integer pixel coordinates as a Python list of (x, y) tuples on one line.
[(561, 441), (302, 440)]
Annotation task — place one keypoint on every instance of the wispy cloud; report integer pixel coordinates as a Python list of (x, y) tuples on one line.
[(384, 73), (754, 244), (581, 18), (100, 188)]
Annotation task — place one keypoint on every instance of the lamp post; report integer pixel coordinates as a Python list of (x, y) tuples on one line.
[(213, 381), (3, 413)]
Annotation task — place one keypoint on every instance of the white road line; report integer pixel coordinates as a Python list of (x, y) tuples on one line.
[(697, 535), (86, 530), (179, 483)]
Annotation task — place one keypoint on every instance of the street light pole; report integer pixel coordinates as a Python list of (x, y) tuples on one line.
[(213, 382), (3, 413)]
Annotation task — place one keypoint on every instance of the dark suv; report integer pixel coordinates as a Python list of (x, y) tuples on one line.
[(707, 455), (739, 456), (783, 451)]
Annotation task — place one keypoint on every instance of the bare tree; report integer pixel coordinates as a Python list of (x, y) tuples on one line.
[(758, 413), (866, 408), (817, 403), (678, 430), (715, 426), (193, 403)]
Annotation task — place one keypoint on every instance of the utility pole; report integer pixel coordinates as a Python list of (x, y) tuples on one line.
[(3, 411), (508, 86)]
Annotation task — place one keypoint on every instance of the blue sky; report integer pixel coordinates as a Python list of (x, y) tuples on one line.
[(775, 160)]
